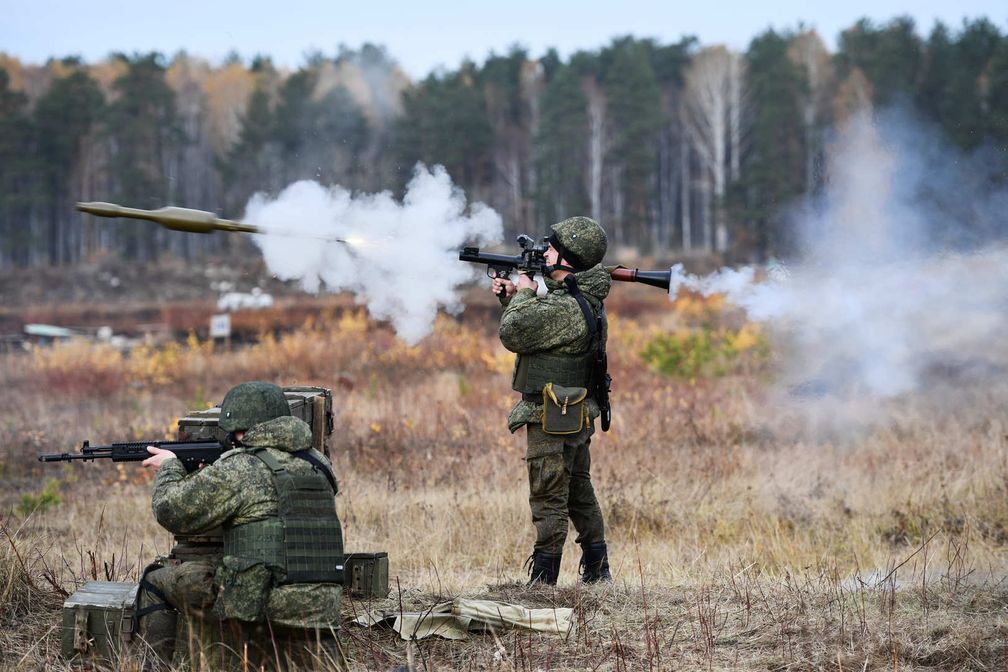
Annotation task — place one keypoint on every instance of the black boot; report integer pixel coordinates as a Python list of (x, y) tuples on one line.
[(545, 568), (595, 563)]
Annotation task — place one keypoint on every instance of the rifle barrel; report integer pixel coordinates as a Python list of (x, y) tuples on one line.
[(190, 452), (63, 457)]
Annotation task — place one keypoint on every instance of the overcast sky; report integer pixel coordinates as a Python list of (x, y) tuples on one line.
[(424, 35)]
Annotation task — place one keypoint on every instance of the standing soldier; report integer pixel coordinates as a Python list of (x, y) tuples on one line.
[(557, 338), (272, 496)]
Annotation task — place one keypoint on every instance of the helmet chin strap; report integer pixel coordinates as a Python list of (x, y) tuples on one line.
[(548, 270)]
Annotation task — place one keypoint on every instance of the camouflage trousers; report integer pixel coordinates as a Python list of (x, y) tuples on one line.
[(189, 632), (166, 590), (560, 488)]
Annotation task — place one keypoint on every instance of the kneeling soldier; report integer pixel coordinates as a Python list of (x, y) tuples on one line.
[(272, 495)]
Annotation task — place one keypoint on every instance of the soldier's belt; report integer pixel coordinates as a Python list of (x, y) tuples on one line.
[(534, 398)]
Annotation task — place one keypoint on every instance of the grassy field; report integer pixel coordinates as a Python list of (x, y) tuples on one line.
[(747, 529)]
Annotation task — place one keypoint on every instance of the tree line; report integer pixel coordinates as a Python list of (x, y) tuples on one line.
[(675, 148)]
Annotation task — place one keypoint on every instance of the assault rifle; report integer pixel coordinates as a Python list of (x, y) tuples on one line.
[(192, 453), (531, 261)]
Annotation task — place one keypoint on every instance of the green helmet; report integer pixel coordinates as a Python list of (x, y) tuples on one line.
[(580, 241), (249, 404)]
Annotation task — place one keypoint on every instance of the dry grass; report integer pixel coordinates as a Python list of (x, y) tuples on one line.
[(740, 538)]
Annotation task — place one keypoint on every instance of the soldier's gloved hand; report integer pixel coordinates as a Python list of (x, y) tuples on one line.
[(157, 458), (525, 282), (498, 283)]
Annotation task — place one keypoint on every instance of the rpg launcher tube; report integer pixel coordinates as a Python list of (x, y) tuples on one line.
[(171, 217)]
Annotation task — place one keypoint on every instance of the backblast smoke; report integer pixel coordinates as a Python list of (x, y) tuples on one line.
[(903, 269)]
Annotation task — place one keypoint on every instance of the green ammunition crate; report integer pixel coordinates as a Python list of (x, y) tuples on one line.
[(311, 404), (99, 620), (366, 574)]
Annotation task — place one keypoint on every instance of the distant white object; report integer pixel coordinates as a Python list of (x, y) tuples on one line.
[(777, 271), (220, 326), (48, 331), (104, 333), (253, 300)]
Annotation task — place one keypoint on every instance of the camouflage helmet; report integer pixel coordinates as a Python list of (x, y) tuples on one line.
[(248, 404), (580, 241)]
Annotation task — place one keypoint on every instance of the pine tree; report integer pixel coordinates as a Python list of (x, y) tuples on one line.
[(18, 168), (561, 149), (890, 57), (338, 133), (967, 120), (445, 122), (510, 84), (293, 120), (142, 131), (774, 165), (997, 84), (634, 111), (66, 116), (245, 168), (670, 63)]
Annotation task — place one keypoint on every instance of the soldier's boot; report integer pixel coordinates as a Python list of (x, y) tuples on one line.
[(595, 563), (545, 568)]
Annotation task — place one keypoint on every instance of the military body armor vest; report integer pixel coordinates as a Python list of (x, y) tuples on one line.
[(304, 543), (532, 372)]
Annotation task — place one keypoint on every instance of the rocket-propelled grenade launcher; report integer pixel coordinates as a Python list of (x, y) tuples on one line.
[(531, 261), (183, 219)]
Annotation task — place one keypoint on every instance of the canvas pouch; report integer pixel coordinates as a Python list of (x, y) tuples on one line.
[(244, 587), (564, 409)]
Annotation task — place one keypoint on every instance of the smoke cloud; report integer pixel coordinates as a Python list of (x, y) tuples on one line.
[(401, 259), (903, 270)]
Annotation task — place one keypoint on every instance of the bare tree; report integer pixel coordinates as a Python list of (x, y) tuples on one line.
[(809, 53), (686, 177), (190, 165), (852, 97), (596, 145), (714, 113)]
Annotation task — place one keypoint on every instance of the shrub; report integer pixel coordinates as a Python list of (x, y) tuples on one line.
[(706, 352), (48, 497)]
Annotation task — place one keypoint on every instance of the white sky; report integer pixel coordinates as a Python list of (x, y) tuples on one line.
[(424, 35)]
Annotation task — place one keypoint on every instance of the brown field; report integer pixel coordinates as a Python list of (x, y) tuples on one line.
[(747, 530)]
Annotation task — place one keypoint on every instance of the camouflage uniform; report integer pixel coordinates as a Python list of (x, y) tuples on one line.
[(236, 490), (558, 465)]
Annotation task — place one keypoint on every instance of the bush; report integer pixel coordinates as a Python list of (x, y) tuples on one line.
[(705, 353), (48, 497)]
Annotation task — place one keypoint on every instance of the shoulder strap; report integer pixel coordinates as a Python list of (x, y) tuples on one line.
[(305, 455), (590, 318), (600, 378), (319, 465)]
